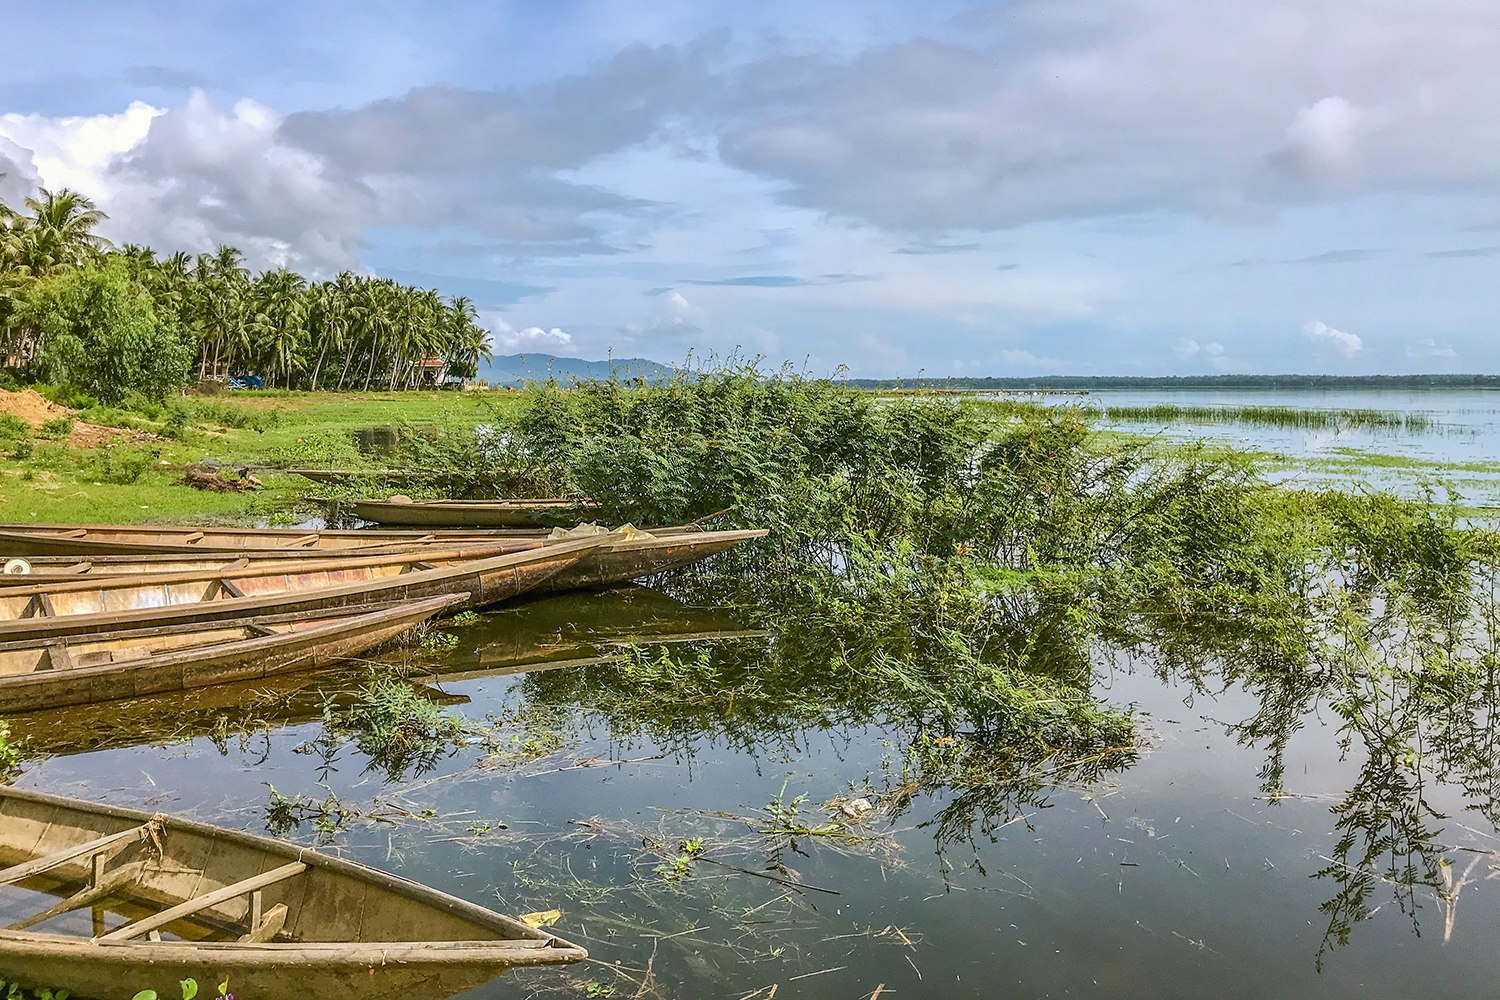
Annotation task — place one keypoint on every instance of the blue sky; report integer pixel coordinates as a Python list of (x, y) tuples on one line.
[(1102, 186)]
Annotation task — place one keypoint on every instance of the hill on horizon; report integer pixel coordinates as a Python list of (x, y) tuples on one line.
[(513, 369)]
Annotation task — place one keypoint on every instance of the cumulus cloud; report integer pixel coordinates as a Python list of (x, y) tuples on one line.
[(1428, 348), (1347, 343), (20, 177), (202, 176), (75, 152), (301, 190), (1185, 347), (504, 337)]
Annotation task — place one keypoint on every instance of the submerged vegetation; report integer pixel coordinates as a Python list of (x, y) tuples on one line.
[(1278, 417)]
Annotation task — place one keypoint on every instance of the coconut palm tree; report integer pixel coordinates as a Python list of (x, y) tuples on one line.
[(278, 323)]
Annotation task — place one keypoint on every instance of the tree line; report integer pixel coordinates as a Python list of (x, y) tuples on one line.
[(76, 310)]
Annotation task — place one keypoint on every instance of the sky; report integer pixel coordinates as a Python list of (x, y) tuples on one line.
[(892, 189)]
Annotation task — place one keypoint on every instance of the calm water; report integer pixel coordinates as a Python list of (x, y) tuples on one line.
[(1462, 447), (1174, 877)]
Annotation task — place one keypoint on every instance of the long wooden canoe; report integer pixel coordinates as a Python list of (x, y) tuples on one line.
[(471, 513), (553, 633), (634, 555), (84, 606), (118, 900), (36, 570), (128, 663), (112, 539)]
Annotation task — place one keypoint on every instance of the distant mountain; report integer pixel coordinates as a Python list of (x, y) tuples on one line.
[(513, 369)]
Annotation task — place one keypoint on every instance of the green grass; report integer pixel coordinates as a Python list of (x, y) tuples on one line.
[(49, 482)]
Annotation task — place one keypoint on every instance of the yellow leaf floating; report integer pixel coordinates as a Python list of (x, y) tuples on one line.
[(541, 918)]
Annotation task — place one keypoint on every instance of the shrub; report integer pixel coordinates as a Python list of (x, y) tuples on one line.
[(98, 332), (122, 465), (58, 427)]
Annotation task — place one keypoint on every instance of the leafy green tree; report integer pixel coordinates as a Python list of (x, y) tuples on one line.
[(99, 332)]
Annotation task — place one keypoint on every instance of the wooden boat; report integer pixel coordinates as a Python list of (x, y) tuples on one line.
[(35, 570), (127, 663), (84, 606), (118, 900), (634, 555), (554, 633), (28, 540), (631, 554), (470, 513)]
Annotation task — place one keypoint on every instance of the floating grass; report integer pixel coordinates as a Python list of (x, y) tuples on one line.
[(1279, 417)]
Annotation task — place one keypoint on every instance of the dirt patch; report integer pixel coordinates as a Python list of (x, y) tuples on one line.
[(204, 478), (96, 436), (31, 406)]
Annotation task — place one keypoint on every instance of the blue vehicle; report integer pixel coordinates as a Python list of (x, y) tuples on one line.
[(246, 382)]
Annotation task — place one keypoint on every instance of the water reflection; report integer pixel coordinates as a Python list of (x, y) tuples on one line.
[(571, 687)]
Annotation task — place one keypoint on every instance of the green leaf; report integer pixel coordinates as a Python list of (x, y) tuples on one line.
[(145, 995), (189, 988)]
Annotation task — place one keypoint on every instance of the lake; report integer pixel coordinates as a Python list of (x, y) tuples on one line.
[(662, 834)]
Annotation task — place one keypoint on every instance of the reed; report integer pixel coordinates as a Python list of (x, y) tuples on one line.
[(1279, 417)]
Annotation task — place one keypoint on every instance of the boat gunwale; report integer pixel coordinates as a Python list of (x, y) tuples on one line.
[(115, 581), (237, 621)]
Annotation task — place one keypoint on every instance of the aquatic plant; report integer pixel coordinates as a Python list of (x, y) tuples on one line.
[(397, 728), (1279, 417)]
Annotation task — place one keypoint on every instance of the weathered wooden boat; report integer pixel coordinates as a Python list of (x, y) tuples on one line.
[(34, 570), (87, 605), (107, 901), (127, 663), (550, 634), (470, 513), (28, 540), (634, 554), (631, 554)]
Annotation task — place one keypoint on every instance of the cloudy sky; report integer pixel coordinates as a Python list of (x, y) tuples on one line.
[(1095, 186)]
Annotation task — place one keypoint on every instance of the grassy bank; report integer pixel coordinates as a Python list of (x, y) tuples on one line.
[(135, 478)]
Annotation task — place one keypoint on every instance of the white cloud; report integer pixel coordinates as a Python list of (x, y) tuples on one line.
[(1428, 348), (77, 152), (1185, 347), (20, 179), (506, 338), (1320, 143), (1213, 349), (1025, 359), (1348, 343)]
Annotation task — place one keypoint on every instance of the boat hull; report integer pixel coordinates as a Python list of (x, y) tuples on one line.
[(104, 972), (348, 930), (620, 562), (308, 648)]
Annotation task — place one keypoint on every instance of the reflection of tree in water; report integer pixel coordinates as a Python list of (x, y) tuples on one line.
[(990, 693), (989, 699), (1402, 646)]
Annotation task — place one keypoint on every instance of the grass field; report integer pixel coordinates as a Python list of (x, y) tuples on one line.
[(45, 481)]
